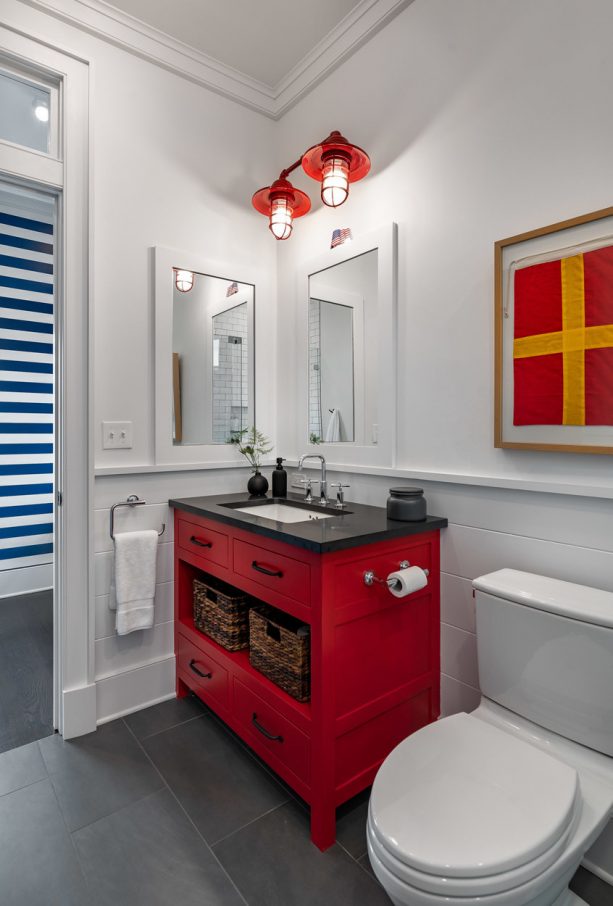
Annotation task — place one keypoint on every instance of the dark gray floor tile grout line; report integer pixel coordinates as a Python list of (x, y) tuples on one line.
[(68, 831), (249, 823), (292, 795), (263, 766), (188, 720), (196, 831), (355, 858)]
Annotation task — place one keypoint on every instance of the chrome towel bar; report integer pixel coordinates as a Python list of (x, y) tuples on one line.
[(132, 500)]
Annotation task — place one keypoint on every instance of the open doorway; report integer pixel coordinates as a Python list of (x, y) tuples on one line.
[(28, 412)]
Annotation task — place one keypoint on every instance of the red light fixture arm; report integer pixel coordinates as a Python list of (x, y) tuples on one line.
[(285, 173), (334, 162)]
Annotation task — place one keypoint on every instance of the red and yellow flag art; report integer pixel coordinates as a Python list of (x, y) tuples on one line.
[(563, 341)]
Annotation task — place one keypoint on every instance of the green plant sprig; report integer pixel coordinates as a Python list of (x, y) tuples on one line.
[(252, 444)]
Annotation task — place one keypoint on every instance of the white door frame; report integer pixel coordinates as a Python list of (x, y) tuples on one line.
[(68, 175)]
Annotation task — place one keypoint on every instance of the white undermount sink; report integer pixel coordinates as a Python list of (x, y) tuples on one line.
[(281, 512)]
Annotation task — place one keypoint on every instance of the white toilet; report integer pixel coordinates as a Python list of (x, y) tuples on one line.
[(498, 807)]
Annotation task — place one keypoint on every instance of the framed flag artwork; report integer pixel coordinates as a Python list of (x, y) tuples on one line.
[(554, 337)]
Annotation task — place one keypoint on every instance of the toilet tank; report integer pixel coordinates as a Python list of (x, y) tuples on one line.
[(545, 651)]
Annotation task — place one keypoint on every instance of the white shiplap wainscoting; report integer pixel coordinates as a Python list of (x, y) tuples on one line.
[(138, 670), (563, 536), (557, 535)]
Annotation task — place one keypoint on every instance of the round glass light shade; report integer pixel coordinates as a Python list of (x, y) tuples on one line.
[(41, 112), (281, 218), (335, 182), (184, 281)]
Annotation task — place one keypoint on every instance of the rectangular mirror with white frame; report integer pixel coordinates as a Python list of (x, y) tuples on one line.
[(205, 358), (347, 342)]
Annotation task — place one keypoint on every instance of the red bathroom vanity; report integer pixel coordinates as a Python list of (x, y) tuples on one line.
[(374, 657)]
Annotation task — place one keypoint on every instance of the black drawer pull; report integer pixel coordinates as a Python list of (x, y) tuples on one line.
[(200, 543), (267, 572), (263, 730), (192, 667)]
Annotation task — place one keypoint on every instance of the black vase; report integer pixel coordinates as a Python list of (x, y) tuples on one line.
[(257, 485)]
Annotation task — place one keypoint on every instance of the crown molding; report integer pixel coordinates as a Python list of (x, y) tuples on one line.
[(358, 26), (130, 34), (124, 31)]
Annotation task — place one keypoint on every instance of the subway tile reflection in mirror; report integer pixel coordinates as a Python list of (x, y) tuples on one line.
[(212, 351), (343, 363)]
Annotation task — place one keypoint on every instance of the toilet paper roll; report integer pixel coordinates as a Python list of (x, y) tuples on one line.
[(406, 581)]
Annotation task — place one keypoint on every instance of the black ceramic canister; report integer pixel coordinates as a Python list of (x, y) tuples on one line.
[(406, 504)]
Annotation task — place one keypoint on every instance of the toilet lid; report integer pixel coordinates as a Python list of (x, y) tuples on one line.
[(461, 798)]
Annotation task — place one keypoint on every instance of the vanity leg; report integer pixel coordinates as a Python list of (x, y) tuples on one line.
[(182, 689), (323, 824)]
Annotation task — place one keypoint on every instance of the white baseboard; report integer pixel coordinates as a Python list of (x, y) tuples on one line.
[(140, 707), (79, 711), (27, 580), (599, 857), (598, 871), (130, 691)]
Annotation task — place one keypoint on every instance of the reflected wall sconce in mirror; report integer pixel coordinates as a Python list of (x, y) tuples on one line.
[(184, 280), (334, 162)]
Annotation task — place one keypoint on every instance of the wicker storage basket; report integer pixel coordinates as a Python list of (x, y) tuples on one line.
[(222, 611), (280, 648)]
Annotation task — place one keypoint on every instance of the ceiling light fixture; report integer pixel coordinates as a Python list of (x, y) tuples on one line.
[(41, 111), (335, 163), (184, 280)]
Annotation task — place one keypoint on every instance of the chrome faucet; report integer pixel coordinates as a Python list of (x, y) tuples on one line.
[(323, 484)]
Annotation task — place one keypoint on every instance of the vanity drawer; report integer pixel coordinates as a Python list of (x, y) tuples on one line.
[(282, 574), (210, 544), (202, 672), (265, 729)]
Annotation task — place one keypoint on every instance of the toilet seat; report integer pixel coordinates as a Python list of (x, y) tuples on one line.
[(463, 808)]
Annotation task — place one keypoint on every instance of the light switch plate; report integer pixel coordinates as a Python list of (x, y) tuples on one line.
[(116, 435)]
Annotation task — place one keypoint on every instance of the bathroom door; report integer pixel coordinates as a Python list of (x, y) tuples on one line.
[(27, 462), (29, 146)]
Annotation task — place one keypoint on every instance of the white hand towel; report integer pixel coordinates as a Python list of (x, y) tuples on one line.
[(133, 583), (333, 431)]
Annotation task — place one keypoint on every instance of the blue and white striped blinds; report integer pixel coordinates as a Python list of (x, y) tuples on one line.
[(27, 283)]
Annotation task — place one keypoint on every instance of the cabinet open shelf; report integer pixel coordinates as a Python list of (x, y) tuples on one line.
[(241, 664)]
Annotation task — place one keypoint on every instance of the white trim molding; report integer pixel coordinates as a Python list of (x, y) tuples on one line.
[(131, 34), (359, 26), (79, 710)]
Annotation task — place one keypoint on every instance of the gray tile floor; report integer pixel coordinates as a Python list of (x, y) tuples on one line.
[(26, 669), (167, 806)]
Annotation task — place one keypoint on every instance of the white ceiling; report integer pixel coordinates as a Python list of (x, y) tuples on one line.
[(264, 39)]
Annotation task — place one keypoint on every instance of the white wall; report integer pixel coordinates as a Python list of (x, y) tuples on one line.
[(172, 168), (466, 110), (483, 120)]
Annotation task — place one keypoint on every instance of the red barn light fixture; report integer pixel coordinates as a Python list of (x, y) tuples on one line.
[(334, 163), (281, 202)]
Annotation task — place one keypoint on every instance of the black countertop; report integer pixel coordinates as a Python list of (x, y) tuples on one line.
[(358, 524)]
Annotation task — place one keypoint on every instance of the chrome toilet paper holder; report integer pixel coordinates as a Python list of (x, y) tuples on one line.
[(370, 576)]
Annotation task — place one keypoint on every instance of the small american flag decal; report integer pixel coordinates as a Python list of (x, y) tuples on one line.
[(340, 236)]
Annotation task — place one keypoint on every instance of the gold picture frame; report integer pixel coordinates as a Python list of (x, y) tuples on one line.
[(586, 232)]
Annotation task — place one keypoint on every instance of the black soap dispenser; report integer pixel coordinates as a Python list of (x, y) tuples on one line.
[(279, 479)]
